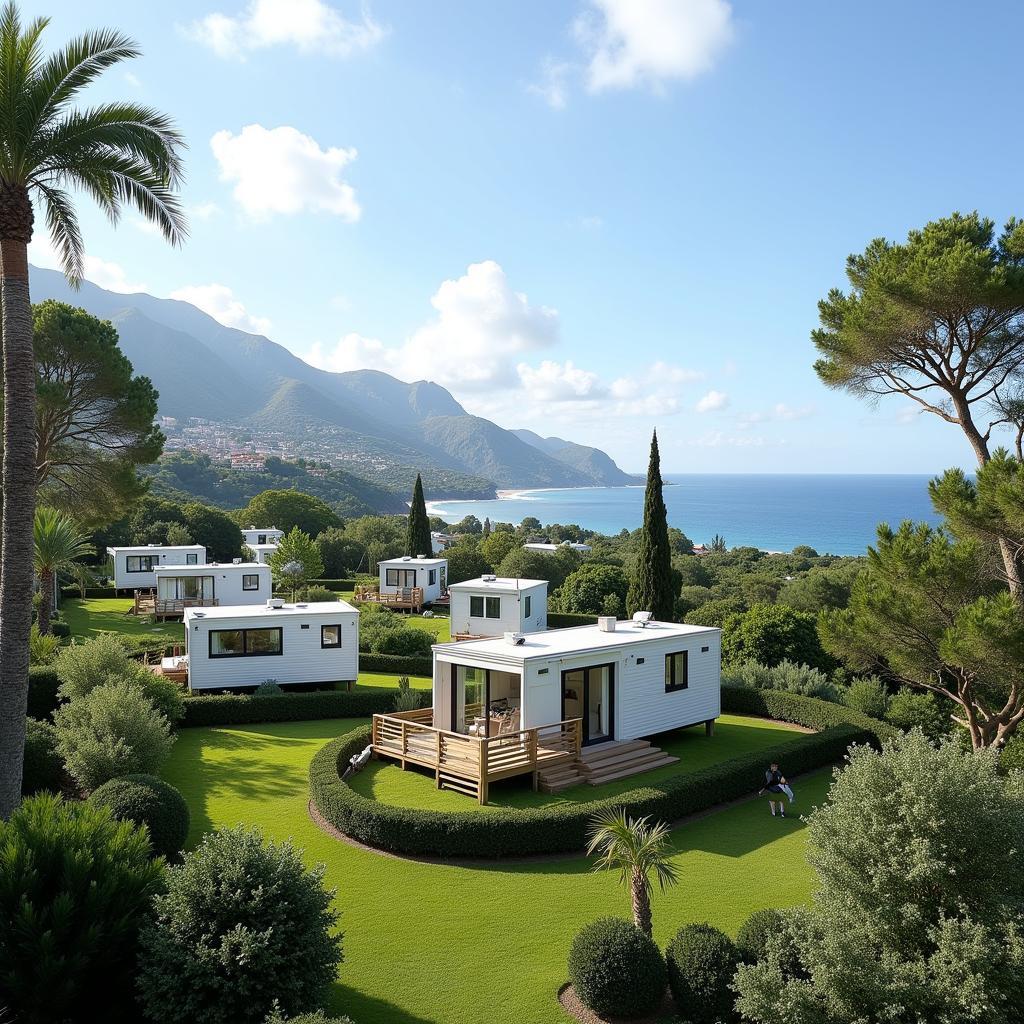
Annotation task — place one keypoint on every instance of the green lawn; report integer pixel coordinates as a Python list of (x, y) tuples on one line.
[(734, 735), (377, 680), (439, 625), (110, 615), (477, 945)]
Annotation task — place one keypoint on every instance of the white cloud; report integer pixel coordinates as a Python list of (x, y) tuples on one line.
[(351, 352), (280, 170), (105, 273), (553, 86), (133, 80), (780, 412), (712, 401), (312, 26), (718, 439), (559, 382), (203, 211), (633, 43), (221, 303)]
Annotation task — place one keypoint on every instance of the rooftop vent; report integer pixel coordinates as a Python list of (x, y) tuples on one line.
[(236, 561), (640, 619), (421, 556), (606, 623), (515, 639), (406, 558), (275, 602), (489, 578)]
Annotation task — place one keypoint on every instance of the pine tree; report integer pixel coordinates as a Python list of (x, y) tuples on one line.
[(417, 538), (651, 587)]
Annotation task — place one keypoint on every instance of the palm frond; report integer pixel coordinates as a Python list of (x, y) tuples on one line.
[(62, 223), (20, 56)]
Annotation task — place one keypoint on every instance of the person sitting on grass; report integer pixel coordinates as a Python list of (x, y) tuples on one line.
[(775, 783)]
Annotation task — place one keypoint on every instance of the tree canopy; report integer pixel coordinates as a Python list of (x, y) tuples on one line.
[(417, 538), (288, 509), (295, 561)]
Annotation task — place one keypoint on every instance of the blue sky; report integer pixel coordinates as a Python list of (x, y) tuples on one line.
[(590, 217)]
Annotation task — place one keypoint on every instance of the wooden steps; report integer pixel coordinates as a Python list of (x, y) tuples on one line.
[(605, 762)]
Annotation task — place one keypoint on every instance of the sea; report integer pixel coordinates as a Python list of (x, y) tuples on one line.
[(833, 513)]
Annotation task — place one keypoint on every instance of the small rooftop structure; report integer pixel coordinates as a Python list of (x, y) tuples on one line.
[(493, 605), (134, 565)]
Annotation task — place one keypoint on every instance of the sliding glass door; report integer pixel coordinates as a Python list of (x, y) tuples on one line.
[(589, 694)]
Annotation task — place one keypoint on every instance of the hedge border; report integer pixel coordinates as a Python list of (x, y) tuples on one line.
[(517, 832), (252, 709), (566, 620), (395, 664)]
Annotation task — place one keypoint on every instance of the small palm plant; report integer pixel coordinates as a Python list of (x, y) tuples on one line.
[(637, 849), (59, 544)]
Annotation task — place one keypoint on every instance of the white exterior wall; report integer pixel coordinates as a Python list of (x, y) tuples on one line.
[(252, 536), (124, 580), (302, 659), (542, 694), (227, 581), (262, 552), (423, 568), (511, 619)]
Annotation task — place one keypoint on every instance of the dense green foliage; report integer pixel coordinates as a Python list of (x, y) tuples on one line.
[(381, 631), (651, 585), (113, 730), (754, 935), (868, 696), (242, 928), (249, 709), (701, 962), (615, 969), (593, 589), (340, 553), (75, 886), (916, 852), (811, 682), (770, 634), (147, 800), (909, 709), (289, 510), (295, 561), (43, 767)]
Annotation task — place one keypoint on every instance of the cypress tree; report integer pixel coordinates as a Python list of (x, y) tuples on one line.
[(417, 538), (487, 527), (651, 586)]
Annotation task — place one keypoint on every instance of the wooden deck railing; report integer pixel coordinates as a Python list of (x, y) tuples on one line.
[(410, 598), (469, 764), (150, 604)]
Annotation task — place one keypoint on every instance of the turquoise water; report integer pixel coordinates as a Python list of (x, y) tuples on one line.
[(831, 513)]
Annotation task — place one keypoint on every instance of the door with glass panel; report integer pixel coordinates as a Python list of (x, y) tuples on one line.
[(589, 694)]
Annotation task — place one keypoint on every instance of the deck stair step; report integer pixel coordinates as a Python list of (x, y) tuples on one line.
[(602, 751), (631, 757), (632, 769), (605, 762)]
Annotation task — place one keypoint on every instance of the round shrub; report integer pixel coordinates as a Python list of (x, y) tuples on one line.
[(43, 767), (75, 886), (147, 800), (616, 970), (910, 709), (752, 938), (701, 963), (268, 688), (242, 929), (867, 696), (313, 594), (113, 730)]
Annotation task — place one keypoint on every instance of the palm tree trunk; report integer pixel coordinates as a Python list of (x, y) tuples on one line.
[(641, 903), (19, 486), (46, 593)]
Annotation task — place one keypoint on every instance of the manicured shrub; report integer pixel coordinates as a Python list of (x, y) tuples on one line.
[(701, 962), (61, 629), (564, 620), (913, 709), (269, 688), (242, 928), (396, 665), (43, 684), (381, 631), (773, 633), (615, 969), (147, 800), (43, 767), (250, 709), (113, 730), (869, 696), (787, 676), (754, 934), (318, 594), (75, 886)]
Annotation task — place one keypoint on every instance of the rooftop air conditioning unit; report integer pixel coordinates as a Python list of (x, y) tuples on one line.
[(606, 623), (236, 561), (515, 639), (640, 619), (406, 558), (275, 602), (489, 578), (421, 556)]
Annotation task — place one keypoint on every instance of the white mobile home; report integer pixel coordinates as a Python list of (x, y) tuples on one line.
[(493, 606), (262, 552), (622, 680), (550, 549), (254, 535), (201, 586), (134, 566), (428, 575), (288, 643)]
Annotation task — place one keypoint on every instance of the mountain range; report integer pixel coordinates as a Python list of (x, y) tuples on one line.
[(203, 369)]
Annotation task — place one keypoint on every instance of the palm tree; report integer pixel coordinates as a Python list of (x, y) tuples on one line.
[(59, 544), (119, 154), (636, 848)]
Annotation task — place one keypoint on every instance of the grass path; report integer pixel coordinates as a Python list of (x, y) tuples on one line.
[(476, 945), (94, 615)]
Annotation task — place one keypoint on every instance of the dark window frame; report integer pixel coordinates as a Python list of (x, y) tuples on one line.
[(476, 601), (191, 557), (148, 559), (487, 607), (396, 571), (246, 576), (330, 625), (672, 685), (245, 652), (527, 606), (432, 577)]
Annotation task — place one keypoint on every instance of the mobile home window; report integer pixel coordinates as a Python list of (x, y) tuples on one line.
[(330, 636), (476, 607), (261, 538), (433, 577), (528, 606), (245, 643), (492, 607), (400, 577), (251, 581), (676, 671), (139, 563), (192, 559)]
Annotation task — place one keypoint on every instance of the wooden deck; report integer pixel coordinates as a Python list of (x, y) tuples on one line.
[(469, 764), (405, 598), (147, 603)]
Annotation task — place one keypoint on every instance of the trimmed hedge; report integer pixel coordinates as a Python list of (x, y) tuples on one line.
[(147, 800), (43, 683), (66, 592), (334, 584), (395, 664), (562, 828), (701, 962), (251, 709), (43, 767), (562, 620)]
